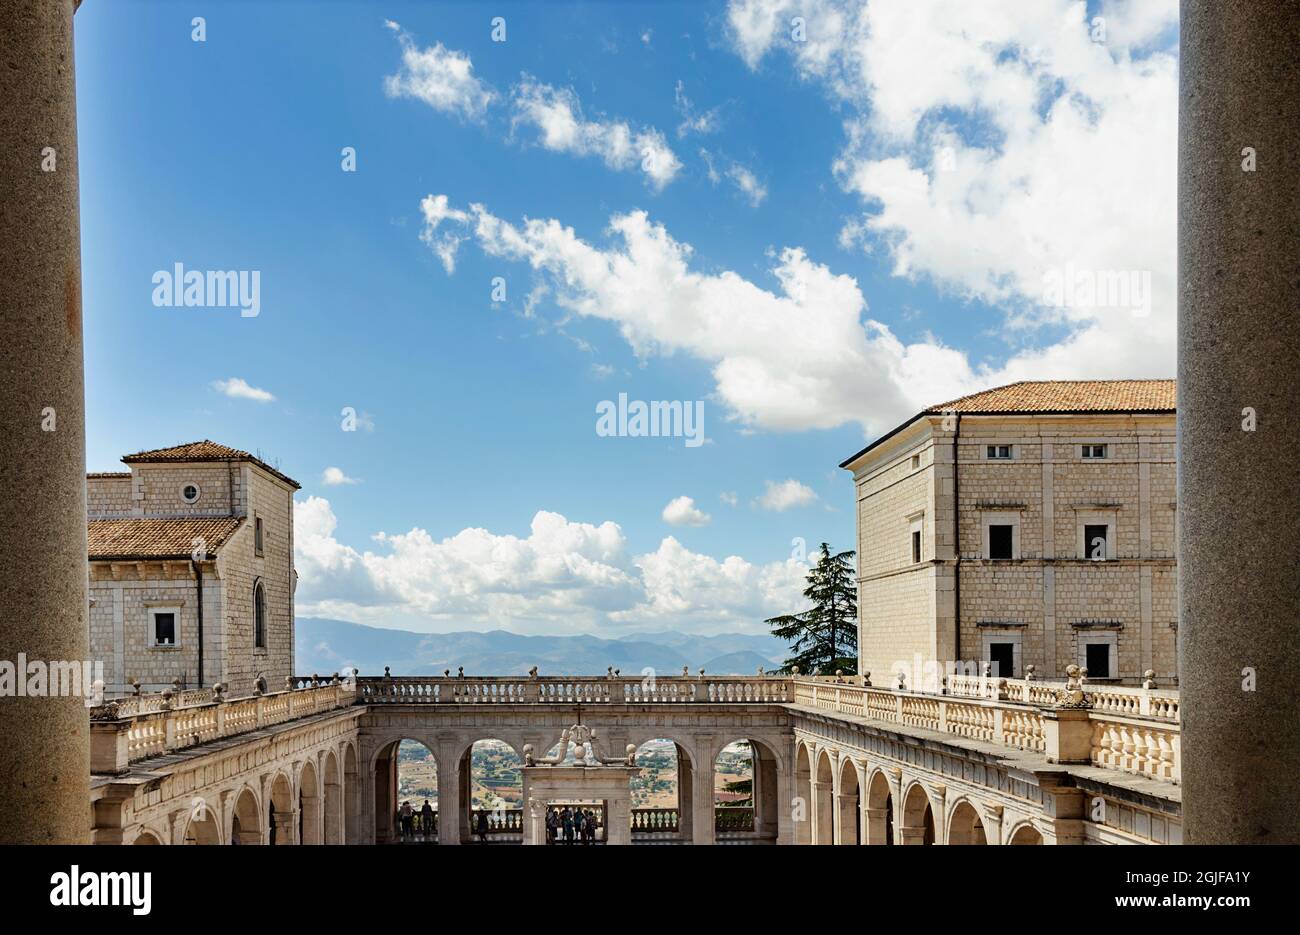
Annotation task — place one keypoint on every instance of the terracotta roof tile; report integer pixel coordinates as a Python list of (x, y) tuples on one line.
[(1053, 396), (1068, 396), (142, 537), (205, 450)]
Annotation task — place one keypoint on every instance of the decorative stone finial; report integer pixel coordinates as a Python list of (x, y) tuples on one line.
[(760, 671), (617, 672), (167, 700), (460, 672), (609, 672), (219, 692), (532, 673), (135, 686), (288, 683), (259, 684), (528, 747), (1029, 673), (794, 670), (1149, 679), (866, 679), (701, 671), (446, 673), (902, 680), (176, 684), (387, 674), (686, 671), (1073, 695)]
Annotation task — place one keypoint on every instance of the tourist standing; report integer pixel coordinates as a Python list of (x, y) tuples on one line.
[(566, 818), (407, 814), (426, 820)]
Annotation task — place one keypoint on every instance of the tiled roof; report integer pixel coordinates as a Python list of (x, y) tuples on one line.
[(205, 450), (141, 538), (1052, 396), (1068, 396)]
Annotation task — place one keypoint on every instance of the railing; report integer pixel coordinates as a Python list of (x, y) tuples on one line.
[(646, 822), (1134, 730), (656, 821), (121, 733), (733, 818), (753, 689)]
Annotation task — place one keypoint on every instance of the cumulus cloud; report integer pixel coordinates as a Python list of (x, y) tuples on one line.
[(440, 77), (1036, 144), (682, 512), (784, 495), (563, 576), (435, 210), (334, 477), (239, 388), (556, 114), (796, 356)]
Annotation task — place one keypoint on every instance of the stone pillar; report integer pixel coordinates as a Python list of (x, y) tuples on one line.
[(685, 797), (846, 818), (1238, 330), (449, 794), (45, 770), (876, 821), (703, 826), (823, 817)]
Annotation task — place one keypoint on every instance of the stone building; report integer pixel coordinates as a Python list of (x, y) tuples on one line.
[(191, 570), (1030, 524)]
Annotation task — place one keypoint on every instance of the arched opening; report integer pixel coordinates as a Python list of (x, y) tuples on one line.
[(492, 793), (662, 792), (1026, 834), (146, 837), (745, 791), (246, 826), (880, 810), (406, 794), (351, 796), (803, 789), (848, 807), (918, 817), (333, 812), (822, 805), (203, 828), (280, 816), (309, 806), (965, 826)]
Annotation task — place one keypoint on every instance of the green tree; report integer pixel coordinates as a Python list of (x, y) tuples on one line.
[(824, 637)]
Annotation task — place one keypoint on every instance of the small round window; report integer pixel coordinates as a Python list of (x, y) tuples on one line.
[(190, 493)]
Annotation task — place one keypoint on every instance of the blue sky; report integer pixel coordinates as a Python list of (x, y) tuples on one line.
[(883, 254)]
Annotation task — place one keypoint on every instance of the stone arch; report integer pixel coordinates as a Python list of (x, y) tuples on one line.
[(202, 826), (280, 814), (498, 815), (918, 816), (309, 805), (880, 809), (384, 767), (762, 819), (1025, 833), (803, 789), (246, 818), (332, 812), (147, 836), (848, 804), (654, 819), (823, 804), (351, 795), (965, 825)]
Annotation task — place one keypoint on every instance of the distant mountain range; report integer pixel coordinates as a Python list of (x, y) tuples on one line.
[(326, 646)]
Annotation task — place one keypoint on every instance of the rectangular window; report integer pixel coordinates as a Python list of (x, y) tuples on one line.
[(164, 627), (999, 452), (916, 462), (1094, 452), (1001, 541), (1097, 660), (916, 546), (257, 535), (1094, 542), (1002, 656)]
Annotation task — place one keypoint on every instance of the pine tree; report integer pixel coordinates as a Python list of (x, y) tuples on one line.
[(824, 637)]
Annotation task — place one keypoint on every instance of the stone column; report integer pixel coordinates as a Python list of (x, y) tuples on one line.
[(1238, 430), (876, 823), (45, 770), (449, 794), (703, 826), (823, 817), (846, 817)]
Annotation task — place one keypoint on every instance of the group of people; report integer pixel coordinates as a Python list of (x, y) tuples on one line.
[(570, 825), (407, 816)]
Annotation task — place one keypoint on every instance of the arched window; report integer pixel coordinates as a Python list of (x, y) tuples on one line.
[(259, 615)]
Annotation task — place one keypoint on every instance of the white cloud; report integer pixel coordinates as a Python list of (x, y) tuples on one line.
[(444, 245), (794, 357), (563, 576), (556, 113), (440, 77), (748, 183), (334, 477), (239, 388), (729, 498), (784, 495), (693, 121), (683, 512), (1022, 150)]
